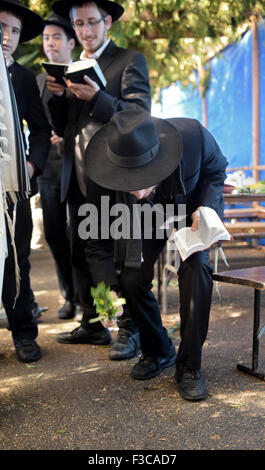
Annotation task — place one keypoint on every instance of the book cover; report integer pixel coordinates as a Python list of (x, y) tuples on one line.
[(76, 71), (211, 230), (56, 70)]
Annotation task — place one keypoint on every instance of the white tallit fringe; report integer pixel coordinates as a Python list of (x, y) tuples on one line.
[(219, 250), (11, 228)]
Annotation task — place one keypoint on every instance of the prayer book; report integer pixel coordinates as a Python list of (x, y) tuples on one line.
[(210, 230), (76, 71)]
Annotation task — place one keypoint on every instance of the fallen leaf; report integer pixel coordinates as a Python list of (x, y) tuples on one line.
[(40, 375)]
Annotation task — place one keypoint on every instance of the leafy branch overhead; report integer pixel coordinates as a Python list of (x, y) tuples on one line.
[(176, 36)]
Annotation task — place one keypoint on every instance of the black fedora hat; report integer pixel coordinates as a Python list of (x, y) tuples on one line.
[(32, 23), (133, 151), (63, 7), (62, 22)]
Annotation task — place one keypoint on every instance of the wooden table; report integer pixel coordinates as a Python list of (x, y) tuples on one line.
[(242, 198), (255, 278)]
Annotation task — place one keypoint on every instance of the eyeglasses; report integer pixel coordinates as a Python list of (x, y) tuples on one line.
[(80, 25)]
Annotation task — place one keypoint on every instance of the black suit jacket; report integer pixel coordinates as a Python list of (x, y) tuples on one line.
[(199, 179), (127, 78), (53, 167), (31, 110)]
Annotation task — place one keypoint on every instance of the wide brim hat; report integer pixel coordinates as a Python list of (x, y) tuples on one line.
[(107, 168), (63, 7), (32, 23), (62, 22)]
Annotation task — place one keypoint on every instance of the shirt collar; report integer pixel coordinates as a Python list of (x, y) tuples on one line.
[(10, 61), (96, 54)]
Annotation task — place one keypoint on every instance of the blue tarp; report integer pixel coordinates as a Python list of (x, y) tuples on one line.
[(229, 101)]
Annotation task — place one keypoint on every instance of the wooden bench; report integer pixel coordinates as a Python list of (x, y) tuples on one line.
[(255, 278), (245, 213), (246, 229)]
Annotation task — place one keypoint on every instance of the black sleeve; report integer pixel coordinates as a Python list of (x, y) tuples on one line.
[(212, 174), (135, 91), (38, 127)]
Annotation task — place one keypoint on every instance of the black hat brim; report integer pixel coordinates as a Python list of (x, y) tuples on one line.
[(32, 23), (101, 170), (67, 28), (63, 7)]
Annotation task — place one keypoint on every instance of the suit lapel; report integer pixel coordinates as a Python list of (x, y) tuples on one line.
[(42, 83), (107, 56)]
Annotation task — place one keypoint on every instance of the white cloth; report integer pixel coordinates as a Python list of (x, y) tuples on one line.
[(3, 244)]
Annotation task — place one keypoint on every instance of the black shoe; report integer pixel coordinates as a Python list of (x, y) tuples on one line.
[(67, 311), (81, 335), (27, 350), (150, 366), (191, 385), (126, 346)]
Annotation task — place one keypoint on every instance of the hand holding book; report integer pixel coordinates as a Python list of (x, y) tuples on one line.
[(207, 229), (76, 71)]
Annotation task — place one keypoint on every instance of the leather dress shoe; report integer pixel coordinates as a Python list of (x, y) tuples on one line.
[(67, 311), (80, 335), (27, 350), (150, 366), (191, 385), (126, 346)]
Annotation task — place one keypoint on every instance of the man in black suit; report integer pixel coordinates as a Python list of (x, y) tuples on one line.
[(20, 24), (58, 44), (77, 118), (163, 162)]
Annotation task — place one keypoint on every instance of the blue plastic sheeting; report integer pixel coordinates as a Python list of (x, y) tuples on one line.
[(229, 101), (179, 102), (229, 114), (262, 97)]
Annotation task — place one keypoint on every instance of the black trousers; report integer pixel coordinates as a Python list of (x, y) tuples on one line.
[(20, 317), (84, 277), (56, 230), (195, 286)]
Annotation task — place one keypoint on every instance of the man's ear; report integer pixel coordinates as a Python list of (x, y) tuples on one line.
[(72, 43), (108, 22)]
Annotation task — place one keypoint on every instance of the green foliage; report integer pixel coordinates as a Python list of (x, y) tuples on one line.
[(177, 37), (106, 305)]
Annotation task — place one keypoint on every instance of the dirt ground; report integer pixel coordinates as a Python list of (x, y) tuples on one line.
[(75, 398)]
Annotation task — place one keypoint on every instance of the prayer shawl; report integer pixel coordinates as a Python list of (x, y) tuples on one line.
[(14, 178)]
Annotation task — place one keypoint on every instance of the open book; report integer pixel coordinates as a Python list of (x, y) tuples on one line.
[(76, 71), (211, 230)]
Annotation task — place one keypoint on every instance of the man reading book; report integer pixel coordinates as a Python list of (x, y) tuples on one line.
[(77, 117), (181, 161)]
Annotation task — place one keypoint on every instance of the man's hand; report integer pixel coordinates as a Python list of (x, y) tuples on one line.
[(112, 323), (195, 219), (31, 169), (55, 139), (54, 87), (83, 91), (120, 307)]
